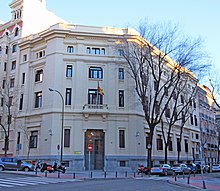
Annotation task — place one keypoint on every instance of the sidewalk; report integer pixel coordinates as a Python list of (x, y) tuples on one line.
[(205, 182)]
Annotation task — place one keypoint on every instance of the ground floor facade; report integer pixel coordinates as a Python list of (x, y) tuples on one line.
[(97, 141)]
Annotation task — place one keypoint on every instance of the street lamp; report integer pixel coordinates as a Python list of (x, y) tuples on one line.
[(149, 155), (61, 147)]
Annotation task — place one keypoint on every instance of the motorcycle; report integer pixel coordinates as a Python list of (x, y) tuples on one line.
[(47, 167), (143, 169), (59, 168)]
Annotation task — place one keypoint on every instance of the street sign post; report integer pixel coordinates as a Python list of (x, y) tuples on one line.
[(89, 147)]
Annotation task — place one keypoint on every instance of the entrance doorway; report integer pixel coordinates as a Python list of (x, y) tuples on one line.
[(94, 138)]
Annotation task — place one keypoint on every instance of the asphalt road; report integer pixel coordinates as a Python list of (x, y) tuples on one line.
[(27, 183)]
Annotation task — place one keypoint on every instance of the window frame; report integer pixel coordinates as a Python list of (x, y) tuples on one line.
[(121, 98), (121, 138), (38, 99), (33, 139), (67, 138), (69, 71), (95, 72)]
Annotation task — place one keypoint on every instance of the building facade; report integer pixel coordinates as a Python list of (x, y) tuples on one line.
[(73, 78), (208, 126)]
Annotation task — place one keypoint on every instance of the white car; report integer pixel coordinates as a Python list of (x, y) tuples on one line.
[(215, 167), (181, 168), (163, 169)]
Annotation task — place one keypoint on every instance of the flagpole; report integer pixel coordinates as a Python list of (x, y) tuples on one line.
[(97, 101)]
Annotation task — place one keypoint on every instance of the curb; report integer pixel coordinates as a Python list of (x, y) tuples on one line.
[(183, 184)]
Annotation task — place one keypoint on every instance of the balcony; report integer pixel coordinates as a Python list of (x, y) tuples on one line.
[(95, 109)]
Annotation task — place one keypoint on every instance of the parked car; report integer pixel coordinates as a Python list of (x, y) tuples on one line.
[(181, 168), (163, 169), (193, 167), (201, 165), (215, 167), (10, 163)]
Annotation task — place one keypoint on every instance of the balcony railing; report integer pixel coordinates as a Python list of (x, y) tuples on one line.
[(95, 109)]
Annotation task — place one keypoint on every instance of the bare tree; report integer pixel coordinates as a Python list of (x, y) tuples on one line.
[(178, 112), (9, 99), (157, 61)]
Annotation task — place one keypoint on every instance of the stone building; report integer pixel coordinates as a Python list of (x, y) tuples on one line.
[(71, 97)]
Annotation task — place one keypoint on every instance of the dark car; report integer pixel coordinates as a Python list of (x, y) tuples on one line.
[(10, 163)]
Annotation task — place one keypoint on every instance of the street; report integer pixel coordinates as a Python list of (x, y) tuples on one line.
[(13, 182)]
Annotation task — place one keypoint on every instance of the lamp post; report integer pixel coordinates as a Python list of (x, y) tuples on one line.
[(61, 147), (149, 155)]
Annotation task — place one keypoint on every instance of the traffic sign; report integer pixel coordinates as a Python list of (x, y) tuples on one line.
[(89, 147)]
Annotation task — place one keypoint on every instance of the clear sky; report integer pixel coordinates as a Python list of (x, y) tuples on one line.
[(197, 18)]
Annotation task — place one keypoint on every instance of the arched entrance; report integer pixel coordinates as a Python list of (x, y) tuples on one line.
[(95, 138)]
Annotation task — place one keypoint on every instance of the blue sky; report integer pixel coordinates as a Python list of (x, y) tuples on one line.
[(194, 17)]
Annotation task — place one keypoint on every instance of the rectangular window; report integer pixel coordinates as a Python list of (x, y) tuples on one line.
[(157, 108), (120, 52), (6, 50), (182, 98), (39, 76), (95, 72), (92, 97), (70, 49), (170, 146), (156, 85), (88, 50), (33, 139), (69, 70), (121, 138), (5, 66), (14, 48), (10, 101), (159, 143), (68, 96), (13, 65), (121, 73), (23, 78), (121, 98), (186, 146), (21, 102), (24, 57), (167, 112), (195, 119), (178, 144), (166, 91), (2, 101), (67, 138), (38, 99), (18, 137), (191, 119), (122, 163), (12, 83), (3, 84)]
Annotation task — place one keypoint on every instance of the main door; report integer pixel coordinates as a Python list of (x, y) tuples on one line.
[(94, 159)]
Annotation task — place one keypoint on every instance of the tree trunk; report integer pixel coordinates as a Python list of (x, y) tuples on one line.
[(165, 153), (6, 145)]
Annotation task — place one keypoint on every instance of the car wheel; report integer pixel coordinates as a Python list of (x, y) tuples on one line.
[(26, 169), (1, 168)]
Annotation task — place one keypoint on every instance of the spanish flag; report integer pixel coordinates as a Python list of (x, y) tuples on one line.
[(100, 90)]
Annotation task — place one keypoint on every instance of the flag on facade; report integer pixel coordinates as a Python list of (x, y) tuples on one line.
[(100, 90)]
